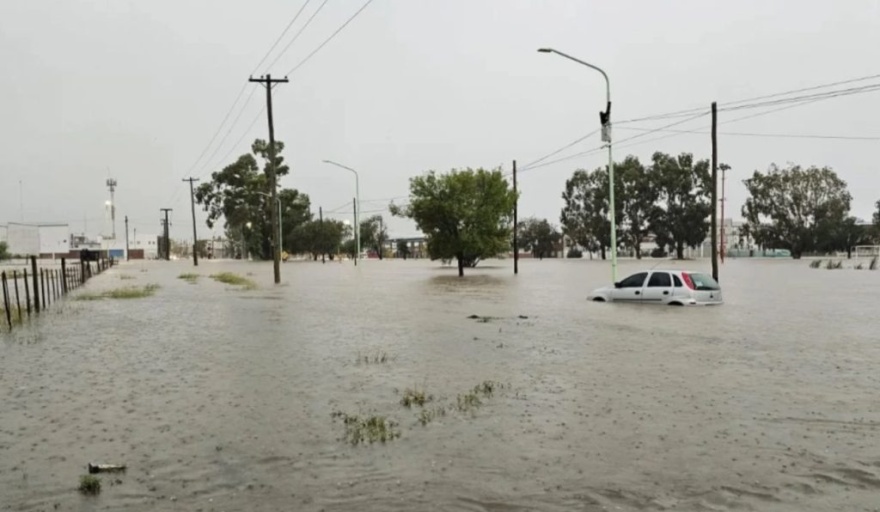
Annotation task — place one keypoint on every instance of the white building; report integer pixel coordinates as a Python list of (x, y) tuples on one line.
[(46, 240)]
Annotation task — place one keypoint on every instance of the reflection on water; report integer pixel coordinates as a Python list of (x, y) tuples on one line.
[(221, 399)]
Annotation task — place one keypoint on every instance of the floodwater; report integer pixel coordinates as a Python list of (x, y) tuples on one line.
[(220, 399)]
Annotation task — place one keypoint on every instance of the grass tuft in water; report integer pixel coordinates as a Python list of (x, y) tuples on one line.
[(234, 280), (129, 292), (415, 397), (428, 415), (815, 263), (377, 358), (189, 277), (370, 429), (90, 485), (473, 399), (126, 277), (859, 266), (874, 261)]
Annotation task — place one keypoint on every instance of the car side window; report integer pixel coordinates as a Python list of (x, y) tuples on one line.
[(660, 280), (676, 281), (634, 281)]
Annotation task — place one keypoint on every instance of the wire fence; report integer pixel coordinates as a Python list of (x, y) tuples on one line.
[(28, 291)]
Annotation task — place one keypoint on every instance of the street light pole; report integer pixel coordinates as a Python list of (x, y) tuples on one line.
[(605, 119), (357, 210), (280, 228)]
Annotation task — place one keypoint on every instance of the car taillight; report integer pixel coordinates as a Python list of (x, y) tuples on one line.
[(688, 281)]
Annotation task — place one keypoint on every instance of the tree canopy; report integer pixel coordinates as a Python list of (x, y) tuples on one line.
[(670, 199), (235, 194), (683, 188), (464, 214), (318, 238), (796, 209), (374, 234), (539, 237)]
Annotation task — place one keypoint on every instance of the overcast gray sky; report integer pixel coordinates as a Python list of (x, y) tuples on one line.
[(135, 90)]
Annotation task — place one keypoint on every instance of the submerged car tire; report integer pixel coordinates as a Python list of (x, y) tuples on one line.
[(676, 304), (598, 299)]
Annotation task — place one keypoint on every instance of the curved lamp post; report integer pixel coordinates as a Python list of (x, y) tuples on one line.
[(357, 210), (605, 119)]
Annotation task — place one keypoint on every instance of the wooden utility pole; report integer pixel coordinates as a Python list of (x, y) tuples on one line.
[(192, 201), (127, 257), (321, 235), (268, 83), (515, 224), (714, 191), (165, 232)]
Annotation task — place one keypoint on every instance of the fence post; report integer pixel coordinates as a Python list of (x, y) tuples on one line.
[(17, 300), (6, 300), (63, 276), (55, 285), (36, 284), (43, 287), (27, 293)]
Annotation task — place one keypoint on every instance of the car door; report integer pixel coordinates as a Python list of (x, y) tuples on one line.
[(630, 289), (658, 289)]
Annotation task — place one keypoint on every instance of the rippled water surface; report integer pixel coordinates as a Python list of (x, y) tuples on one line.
[(219, 398)]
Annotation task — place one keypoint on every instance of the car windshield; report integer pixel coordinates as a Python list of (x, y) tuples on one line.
[(704, 282)]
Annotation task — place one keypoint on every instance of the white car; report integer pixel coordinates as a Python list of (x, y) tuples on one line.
[(668, 287)]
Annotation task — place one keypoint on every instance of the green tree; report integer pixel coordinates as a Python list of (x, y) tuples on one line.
[(403, 250), (584, 216), (465, 214), (844, 236), (877, 223), (539, 237), (4, 251), (321, 237), (795, 208), (374, 234), (683, 188), (235, 194), (638, 197)]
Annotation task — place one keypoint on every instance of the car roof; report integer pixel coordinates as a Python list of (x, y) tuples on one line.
[(673, 270)]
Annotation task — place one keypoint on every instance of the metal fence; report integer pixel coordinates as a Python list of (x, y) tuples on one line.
[(31, 290)]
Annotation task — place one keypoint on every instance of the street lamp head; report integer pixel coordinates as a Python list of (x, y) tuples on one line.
[(545, 50)]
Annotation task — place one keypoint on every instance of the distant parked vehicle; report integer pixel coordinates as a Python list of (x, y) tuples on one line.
[(667, 287)]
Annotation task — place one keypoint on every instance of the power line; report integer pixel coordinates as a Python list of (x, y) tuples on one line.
[(769, 135), (338, 30), (816, 97), (301, 30), (281, 36), (563, 148), (686, 112)]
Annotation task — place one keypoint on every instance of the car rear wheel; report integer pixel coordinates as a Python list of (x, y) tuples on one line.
[(676, 304), (598, 299)]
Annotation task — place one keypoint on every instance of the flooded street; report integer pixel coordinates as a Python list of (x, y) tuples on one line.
[(220, 399)]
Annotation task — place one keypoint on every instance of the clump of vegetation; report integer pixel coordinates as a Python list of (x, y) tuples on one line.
[(128, 292), (831, 265), (471, 400), (189, 277), (815, 263), (126, 277), (234, 280), (90, 485), (370, 429), (377, 358), (415, 397), (427, 415), (859, 266), (874, 262)]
